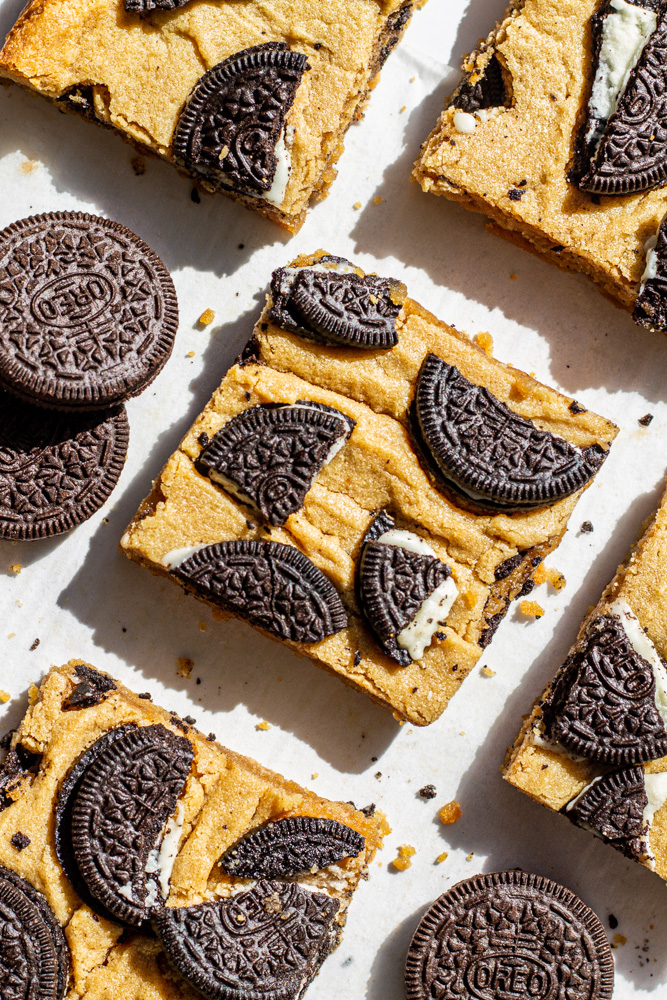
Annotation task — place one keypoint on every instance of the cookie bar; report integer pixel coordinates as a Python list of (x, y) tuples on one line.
[(176, 868), (245, 98), (595, 745), (557, 134), (369, 487)]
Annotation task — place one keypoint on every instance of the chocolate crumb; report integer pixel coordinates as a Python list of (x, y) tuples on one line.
[(646, 419), (357, 657), (586, 527), (204, 439), (576, 407), (6, 739), (368, 810), (194, 195), (34, 645), (190, 721), (211, 737), (427, 792), (441, 635), (514, 194), (527, 588), (20, 841), (145, 696), (613, 922), (241, 246)]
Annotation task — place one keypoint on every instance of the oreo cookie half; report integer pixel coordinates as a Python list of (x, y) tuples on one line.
[(332, 302), (609, 701), (273, 586), (56, 469), (613, 807), (232, 129), (120, 806), (88, 313), (650, 308), (509, 935), (265, 944), (34, 957), (622, 146), (404, 590), (289, 847), (485, 454), (269, 456)]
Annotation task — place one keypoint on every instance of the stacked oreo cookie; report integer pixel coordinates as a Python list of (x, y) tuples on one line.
[(88, 317)]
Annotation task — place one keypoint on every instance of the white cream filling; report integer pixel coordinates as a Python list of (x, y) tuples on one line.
[(178, 556), (464, 122), (656, 793), (169, 848), (407, 540), (651, 267), (431, 616), (644, 647), (276, 193), (538, 738), (332, 265), (624, 35)]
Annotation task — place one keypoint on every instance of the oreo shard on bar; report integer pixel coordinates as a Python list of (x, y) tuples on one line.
[(265, 943), (622, 145), (487, 455), (273, 586), (269, 456), (91, 689), (484, 88), (289, 847), (147, 6), (334, 303), (404, 590), (609, 701), (613, 807), (651, 303), (34, 957), (233, 130), (120, 809)]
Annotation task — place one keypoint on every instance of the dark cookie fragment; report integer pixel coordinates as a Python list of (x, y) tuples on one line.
[(291, 846), (602, 705), (56, 469), (508, 936), (34, 957), (20, 841), (146, 6), (266, 943), (88, 313), (273, 586), (396, 24), (235, 117), (271, 455), (17, 765), (120, 807), (330, 302), (91, 689), (483, 89), (613, 807), (487, 455), (650, 308)]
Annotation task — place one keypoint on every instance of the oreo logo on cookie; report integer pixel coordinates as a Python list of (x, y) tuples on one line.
[(72, 300), (288, 847)]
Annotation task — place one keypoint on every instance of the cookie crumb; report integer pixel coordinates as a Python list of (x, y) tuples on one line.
[(20, 841), (442, 857), (16, 568), (263, 726), (206, 317), (586, 527), (211, 738), (314, 775), (450, 813), (356, 206), (613, 922), (378, 199), (402, 862), (138, 164), (488, 672), (485, 341), (4, 697), (646, 419), (620, 939), (427, 792), (513, 277), (470, 856), (531, 609), (184, 666), (190, 354), (145, 696), (34, 645), (203, 626)]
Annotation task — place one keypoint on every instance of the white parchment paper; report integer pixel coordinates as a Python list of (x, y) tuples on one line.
[(81, 598)]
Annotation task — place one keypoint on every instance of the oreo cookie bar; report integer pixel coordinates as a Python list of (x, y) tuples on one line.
[(250, 100), (369, 487), (594, 747), (557, 133), (139, 858)]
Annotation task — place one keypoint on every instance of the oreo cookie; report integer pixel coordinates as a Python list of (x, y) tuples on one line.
[(613, 808), (56, 469), (88, 312), (483, 89), (603, 703), (112, 812), (650, 309), (232, 129), (289, 847), (486, 455), (622, 145), (34, 957), (509, 935), (91, 689), (273, 586), (333, 303), (269, 456), (404, 590), (264, 944)]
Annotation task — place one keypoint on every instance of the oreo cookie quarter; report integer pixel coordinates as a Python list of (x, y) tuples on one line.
[(264, 944), (487, 455), (88, 312), (613, 807), (512, 935), (288, 847), (56, 469)]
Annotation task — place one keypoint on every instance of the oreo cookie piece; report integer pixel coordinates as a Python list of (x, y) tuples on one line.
[(509, 935), (120, 806), (88, 312), (485, 454), (148, 6), (56, 469), (92, 688), (613, 808), (34, 957), (289, 847), (273, 586), (232, 129), (609, 700), (268, 456), (266, 943), (404, 590), (334, 303), (488, 90), (650, 308)]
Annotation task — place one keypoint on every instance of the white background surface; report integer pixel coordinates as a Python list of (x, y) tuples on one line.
[(81, 598)]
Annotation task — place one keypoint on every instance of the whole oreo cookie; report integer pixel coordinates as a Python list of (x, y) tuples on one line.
[(273, 586), (265, 944), (613, 807), (56, 469), (288, 847), (486, 454), (34, 957), (330, 301), (509, 935), (88, 313)]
